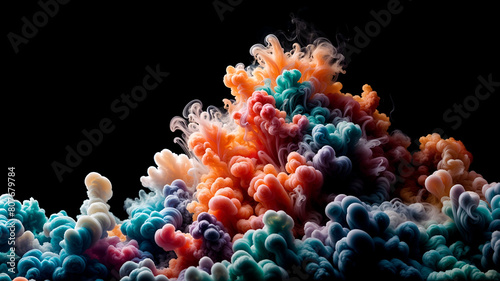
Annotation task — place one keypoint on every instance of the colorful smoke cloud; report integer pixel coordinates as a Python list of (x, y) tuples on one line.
[(291, 180)]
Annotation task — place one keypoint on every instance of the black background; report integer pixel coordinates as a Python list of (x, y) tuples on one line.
[(65, 78)]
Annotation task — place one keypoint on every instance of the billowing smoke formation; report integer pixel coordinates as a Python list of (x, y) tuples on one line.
[(291, 180)]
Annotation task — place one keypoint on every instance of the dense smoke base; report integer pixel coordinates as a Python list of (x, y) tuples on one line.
[(292, 180)]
